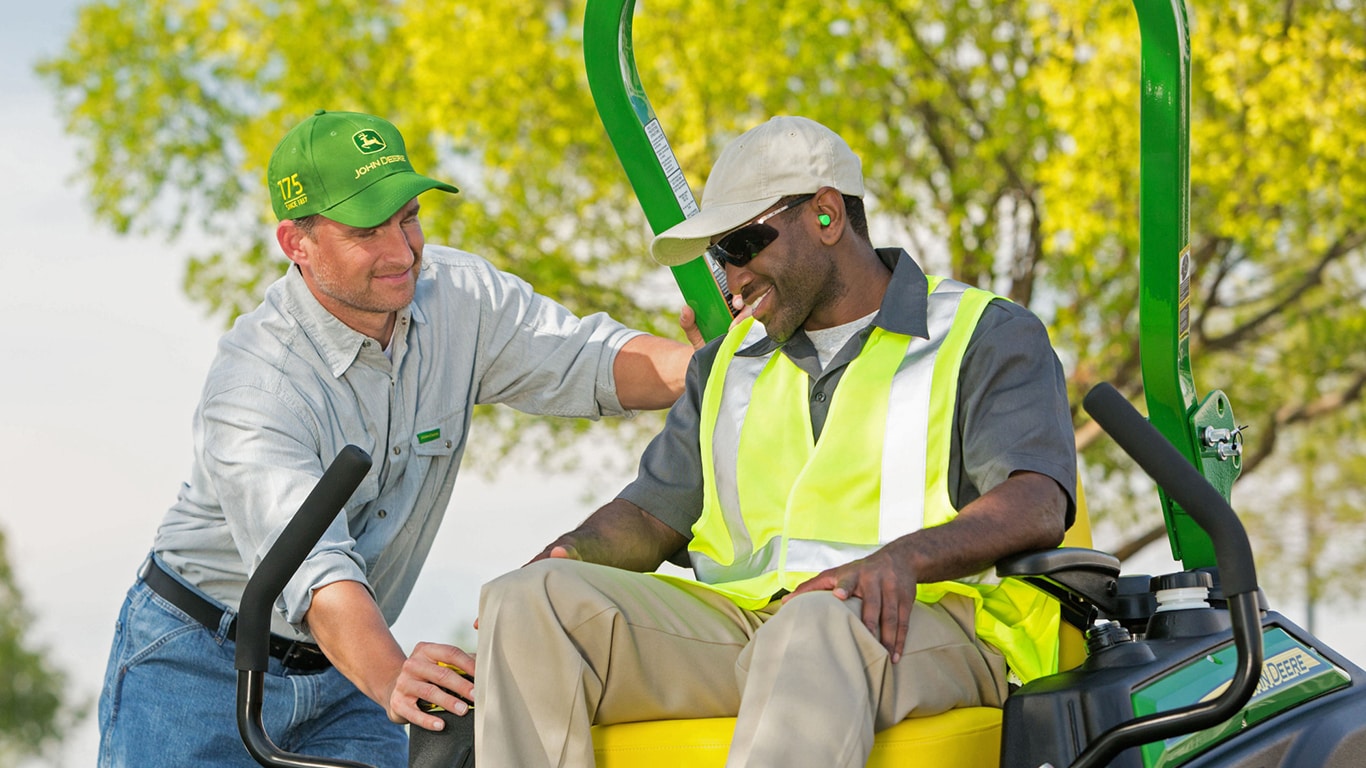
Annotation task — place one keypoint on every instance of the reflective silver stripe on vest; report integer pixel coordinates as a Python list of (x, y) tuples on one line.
[(904, 447), (735, 395), (802, 555), (903, 458)]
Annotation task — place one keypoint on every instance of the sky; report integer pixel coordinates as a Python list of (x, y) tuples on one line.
[(105, 360)]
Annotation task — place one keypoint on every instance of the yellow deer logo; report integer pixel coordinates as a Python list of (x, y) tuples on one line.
[(368, 142)]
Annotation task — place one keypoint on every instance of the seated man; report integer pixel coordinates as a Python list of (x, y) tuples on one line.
[(843, 470)]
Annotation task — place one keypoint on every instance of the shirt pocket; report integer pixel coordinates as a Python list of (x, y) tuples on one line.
[(440, 438), (436, 447)]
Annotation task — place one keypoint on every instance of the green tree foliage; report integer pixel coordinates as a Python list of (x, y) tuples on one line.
[(32, 717), (1278, 223), (999, 143)]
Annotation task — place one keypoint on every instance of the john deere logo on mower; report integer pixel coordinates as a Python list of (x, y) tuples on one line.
[(368, 141)]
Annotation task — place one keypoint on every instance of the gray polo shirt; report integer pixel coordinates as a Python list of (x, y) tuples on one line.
[(291, 385), (1011, 414)]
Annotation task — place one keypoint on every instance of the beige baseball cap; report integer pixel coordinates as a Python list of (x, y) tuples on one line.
[(784, 156)]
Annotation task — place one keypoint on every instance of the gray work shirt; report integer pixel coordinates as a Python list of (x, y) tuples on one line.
[(1011, 414), (291, 385)]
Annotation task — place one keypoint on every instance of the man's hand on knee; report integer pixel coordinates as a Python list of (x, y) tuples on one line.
[(886, 587)]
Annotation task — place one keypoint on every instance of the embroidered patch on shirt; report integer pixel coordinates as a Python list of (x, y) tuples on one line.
[(428, 436)]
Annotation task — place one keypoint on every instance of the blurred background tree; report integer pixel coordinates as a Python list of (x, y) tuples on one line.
[(999, 142), (32, 716)]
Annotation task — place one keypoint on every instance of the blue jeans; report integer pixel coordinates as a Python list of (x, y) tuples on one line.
[(169, 699)]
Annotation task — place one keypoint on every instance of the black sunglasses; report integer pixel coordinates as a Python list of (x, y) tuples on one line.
[(742, 244)]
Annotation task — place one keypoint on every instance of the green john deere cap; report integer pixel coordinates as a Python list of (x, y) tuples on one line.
[(350, 167)]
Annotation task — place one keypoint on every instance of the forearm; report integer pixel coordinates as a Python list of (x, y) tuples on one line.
[(621, 535), (350, 629), (1027, 511), (650, 371)]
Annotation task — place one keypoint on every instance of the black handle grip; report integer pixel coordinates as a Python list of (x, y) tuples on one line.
[(317, 512), (314, 516), (1170, 470), (1237, 574)]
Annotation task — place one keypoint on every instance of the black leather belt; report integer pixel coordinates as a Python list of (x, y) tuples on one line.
[(296, 655)]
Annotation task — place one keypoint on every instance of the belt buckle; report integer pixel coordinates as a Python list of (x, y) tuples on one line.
[(301, 656)]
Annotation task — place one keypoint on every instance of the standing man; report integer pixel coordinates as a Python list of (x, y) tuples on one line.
[(372, 339), (842, 470)]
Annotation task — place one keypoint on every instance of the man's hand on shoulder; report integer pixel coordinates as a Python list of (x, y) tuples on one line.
[(687, 320)]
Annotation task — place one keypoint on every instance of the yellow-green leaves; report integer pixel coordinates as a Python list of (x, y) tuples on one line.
[(999, 142)]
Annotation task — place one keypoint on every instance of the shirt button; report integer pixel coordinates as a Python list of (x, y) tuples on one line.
[(819, 397), (365, 343), (448, 443), (397, 450), (382, 513)]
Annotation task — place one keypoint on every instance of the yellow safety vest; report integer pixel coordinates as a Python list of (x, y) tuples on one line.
[(779, 507)]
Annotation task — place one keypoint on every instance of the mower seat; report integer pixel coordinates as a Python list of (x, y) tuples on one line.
[(961, 738), (969, 737)]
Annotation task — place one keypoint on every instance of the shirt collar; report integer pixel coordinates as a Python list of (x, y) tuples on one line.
[(338, 343), (904, 307)]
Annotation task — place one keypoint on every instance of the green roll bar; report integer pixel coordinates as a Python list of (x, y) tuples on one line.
[(1204, 432), (639, 141)]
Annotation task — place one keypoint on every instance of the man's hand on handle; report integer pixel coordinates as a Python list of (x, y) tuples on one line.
[(431, 674)]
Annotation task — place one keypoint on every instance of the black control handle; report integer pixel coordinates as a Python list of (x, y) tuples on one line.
[(322, 506), (1237, 573), (1182, 482)]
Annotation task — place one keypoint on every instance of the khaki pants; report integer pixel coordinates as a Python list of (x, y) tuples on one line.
[(564, 645)]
